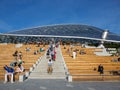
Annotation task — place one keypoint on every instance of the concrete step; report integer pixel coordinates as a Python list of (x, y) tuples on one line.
[(40, 71), (45, 72), (54, 67), (47, 77)]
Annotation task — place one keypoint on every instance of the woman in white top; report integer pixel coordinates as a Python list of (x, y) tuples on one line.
[(74, 54)]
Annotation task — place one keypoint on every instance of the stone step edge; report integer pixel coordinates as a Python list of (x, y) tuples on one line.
[(47, 78)]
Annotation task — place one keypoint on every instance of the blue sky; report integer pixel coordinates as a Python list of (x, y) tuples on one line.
[(20, 14)]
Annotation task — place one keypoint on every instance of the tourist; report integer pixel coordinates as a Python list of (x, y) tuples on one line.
[(48, 53), (13, 63), (82, 52), (35, 52), (74, 54), (57, 45), (20, 55), (28, 49), (50, 69), (38, 44), (52, 55), (9, 71), (20, 69), (15, 54), (42, 49), (71, 47), (64, 46), (100, 69), (119, 59), (20, 61)]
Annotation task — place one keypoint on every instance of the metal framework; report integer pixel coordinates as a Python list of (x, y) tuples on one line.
[(55, 36)]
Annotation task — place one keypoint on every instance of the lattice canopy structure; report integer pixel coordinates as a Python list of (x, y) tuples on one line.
[(69, 30)]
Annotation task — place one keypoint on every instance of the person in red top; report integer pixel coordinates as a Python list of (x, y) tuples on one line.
[(54, 57)]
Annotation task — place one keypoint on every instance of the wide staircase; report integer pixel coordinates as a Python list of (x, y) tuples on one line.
[(84, 66), (40, 71)]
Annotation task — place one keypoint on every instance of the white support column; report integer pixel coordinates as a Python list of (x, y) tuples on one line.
[(104, 36)]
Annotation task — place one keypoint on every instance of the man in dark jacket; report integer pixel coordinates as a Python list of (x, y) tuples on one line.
[(100, 69)]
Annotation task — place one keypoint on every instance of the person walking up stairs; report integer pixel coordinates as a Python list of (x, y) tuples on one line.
[(50, 69)]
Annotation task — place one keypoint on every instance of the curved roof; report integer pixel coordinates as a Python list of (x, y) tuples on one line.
[(64, 30), (68, 30)]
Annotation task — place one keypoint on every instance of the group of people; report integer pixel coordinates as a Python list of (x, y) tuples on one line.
[(73, 52), (39, 51), (14, 67), (116, 59), (70, 50), (51, 55), (51, 52)]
